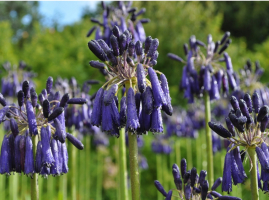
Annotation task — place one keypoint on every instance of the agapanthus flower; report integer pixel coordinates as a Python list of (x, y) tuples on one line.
[(190, 185), (203, 73), (124, 16), (246, 127), (13, 78), (44, 120), (145, 98)]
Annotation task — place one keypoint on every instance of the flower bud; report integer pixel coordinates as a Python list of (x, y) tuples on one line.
[(2, 100), (55, 169), (204, 190), (264, 123), (114, 45), (29, 157), (131, 49), (26, 89), (14, 127), (216, 183), (219, 129), (59, 134), (97, 50), (49, 84), (159, 187), (202, 176), (17, 154), (153, 47), (109, 94), (76, 142), (116, 32), (175, 57), (132, 119), (103, 45), (47, 157), (31, 118), (45, 93), (112, 58), (139, 48), (122, 43), (97, 64), (256, 102), (165, 88), (183, 167), (46, 108), (156, 121), (262, 113), (193, 176), (65, 159), (58, 111), (225, 36), (64, 100), (187, 192), (90, 31), (96, 116), (147, 44), (262, 158), (234, 103), (248, 101), (77, 101)]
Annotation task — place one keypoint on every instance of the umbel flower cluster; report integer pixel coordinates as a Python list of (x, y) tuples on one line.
[(122, 16), (129, 63), (191, 186), (246, 123), (203, 73), (30, 120), (11, 82)]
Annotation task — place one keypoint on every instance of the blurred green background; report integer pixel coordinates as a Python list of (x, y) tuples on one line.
[(64, 52)]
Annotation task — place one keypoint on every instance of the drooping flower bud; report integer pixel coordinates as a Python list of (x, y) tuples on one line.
[(141, 78), (65, 158), (109, 94), (168, 109), (96, 116), (26, 89), (262, 158), (97, 50), (132, 119), (147, 100), (156, 121), (96, 64), (55, 169), (159, 187), (77, 101), (114, 45), (29, 157), (219, 129), (58, 111), (175, 57), (76, 142), (47, 157), (256, 102)]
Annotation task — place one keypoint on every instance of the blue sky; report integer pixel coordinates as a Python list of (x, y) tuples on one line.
[(66, 12)]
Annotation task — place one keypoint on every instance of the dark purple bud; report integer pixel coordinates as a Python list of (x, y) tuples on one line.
[(116, 32), (29, 157), (159, 187), (139, 48), (77, 101), (169, 195), (216, 183), (202, 176), (237, 157), (59, 134), (17, 154), (103, 45), (45, 94), (183, 167), (31, 118), (76, 142), (96, 115), (112, 58), (2, 100), (264, 110), (144, 121), (177, 178), (107, 121), (219, 129), (114, 45), (109, 94), (223, 48), (225, 36), (38, 158), (123, 111), (264, 123), (147, 44), (58, 111), (200, 43), (131, 10), (153, 47), (228, 198), (47, 157), (140, 12), (131, 49), (215, 194), (97, 64), (156, 121), (22, 151), (230, 126), (187, 192), (64, 100), (207, 79), (193, 176), (49, 84), (175, 57), (141, 78), (244, 110), (256, 102), (14, 127), (158, 94), (152, 63), (248, 101), (147, 100), (122, 43), (90, 31), (227, 178), (130, 62), (41, 98), (26, 89), (262, 158), (20, 97), (214, 92), (204, 190), (132, 119), (228, 62), (234, 103), (185, 48), (34, 98), (46, 108), (97, 50), (65, 158)]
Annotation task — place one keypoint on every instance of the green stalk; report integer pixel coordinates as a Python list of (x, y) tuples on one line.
[(210, 169), (99, 175), (64, 186), (177, 149), (189, 152), (134, 170), (253, 174), (198, 152), (123, 166), (159, 173), (87, 166), (34, 180), (73, 172)]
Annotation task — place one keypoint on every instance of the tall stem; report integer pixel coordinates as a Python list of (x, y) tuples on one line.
[(210, 170), (99, 181), (177, 149), (87, 159), (189, 152), (133, 159), (253, 174), (73, 172), (34, 180), (123, 166)]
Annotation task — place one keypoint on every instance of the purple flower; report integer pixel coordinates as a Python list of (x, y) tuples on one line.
[(31, 118), (141, 82), (47, 157), (156, 121), (96, 116), (5, 167), (38, 158), (132, 119), (76, 142), (29, 157)]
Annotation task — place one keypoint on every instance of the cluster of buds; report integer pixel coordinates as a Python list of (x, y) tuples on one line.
[(46, 122), (12, 83), (191, 186), (248, 121), (129, 63), (203, 73), (121, 15)]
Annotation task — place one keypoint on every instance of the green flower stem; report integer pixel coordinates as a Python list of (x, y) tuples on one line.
[(198, 153), (64, 186), (100, 174), (189, 152), (159, 173), (123, 166), (134, 170), (87, 166), (34, 180), (73, 171), (253, 174), (178, 152), (210, 169)]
